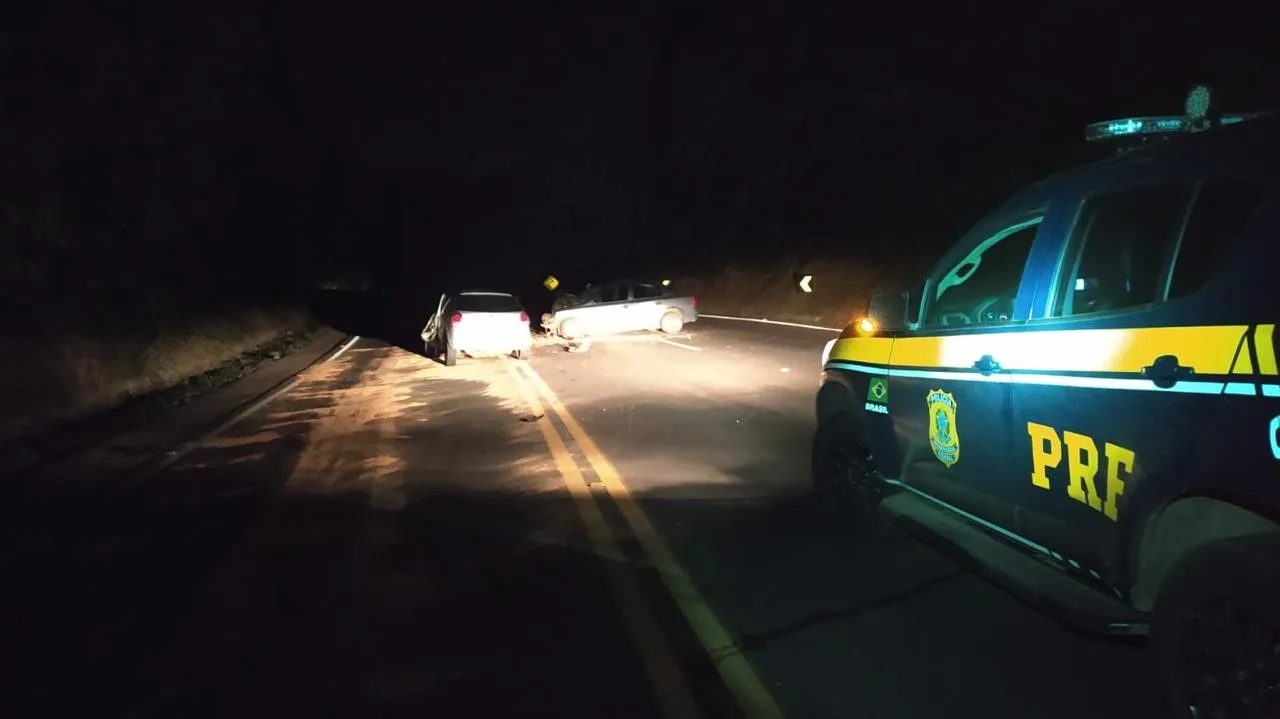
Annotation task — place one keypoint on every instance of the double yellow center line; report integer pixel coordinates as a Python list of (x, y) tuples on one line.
[(656, 653)]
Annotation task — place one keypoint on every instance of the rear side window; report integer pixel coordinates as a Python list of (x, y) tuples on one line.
[(487, 303), (1220, 216), (644, 292), (1119, 249)]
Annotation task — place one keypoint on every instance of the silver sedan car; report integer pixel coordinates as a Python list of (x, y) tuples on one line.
[(478, 323)]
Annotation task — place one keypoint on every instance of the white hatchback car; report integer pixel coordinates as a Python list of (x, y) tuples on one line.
[(478, 323)]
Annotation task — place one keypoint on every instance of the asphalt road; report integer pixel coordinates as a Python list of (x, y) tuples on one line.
[(621, 532)]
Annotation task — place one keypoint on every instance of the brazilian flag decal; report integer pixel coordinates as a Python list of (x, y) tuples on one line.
[(878, 390)]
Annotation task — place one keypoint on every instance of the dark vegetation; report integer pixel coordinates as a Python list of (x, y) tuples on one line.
[(160, 204), (175, 178)]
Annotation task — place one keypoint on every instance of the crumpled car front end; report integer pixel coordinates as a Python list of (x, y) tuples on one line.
[(564, 301)]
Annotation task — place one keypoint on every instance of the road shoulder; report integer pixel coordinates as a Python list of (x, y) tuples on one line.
[(97, 448)]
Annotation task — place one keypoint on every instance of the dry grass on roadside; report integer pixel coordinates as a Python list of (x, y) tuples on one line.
[(52, 380)]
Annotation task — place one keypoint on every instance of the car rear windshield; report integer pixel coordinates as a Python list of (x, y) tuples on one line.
[(487, 303)]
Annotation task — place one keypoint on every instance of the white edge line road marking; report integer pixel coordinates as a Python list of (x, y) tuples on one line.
[(344, 348), (681, 345), (735, 669), (771, 322), (665, 674), (186, 448)]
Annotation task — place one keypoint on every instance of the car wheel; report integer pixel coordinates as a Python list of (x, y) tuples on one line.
[(671, 323), (1215, 630), (450, 354), (521, 354), (570, 329), (842, 475)]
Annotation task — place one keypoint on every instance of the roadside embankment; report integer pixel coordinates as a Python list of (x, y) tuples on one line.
[(52, 379)]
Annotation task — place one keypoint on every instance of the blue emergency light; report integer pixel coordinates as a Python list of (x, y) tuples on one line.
[(1197, 116)]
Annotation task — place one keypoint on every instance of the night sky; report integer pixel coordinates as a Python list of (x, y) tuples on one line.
[(152, 150)]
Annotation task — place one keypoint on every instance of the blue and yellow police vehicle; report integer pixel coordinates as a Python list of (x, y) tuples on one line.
[(1083, 397)]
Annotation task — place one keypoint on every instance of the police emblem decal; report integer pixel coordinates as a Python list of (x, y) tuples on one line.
[(943, 438)]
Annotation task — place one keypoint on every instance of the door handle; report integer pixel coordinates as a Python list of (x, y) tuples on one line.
[(1166, 371), (987, 366)]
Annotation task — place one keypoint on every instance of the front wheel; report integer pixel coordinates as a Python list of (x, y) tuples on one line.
[(570, 329), (842, 474), (1215, 630), (521, 354)]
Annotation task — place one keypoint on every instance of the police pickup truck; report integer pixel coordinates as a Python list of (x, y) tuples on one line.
[(1083, 399)]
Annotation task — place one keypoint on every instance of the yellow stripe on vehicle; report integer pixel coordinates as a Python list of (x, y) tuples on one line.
[(865, 350), (1263, 340), (1244, 359), (1207, 350)]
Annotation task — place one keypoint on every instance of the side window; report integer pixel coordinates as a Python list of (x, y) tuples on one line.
[(1118, 249), (1219, 217), (613, 293), (645, 292), (982, 287)]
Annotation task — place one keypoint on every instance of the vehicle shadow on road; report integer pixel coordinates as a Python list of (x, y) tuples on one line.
[(393, 319), (875, 600)]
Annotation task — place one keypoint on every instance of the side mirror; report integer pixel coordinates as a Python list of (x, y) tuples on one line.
[(888, 310)]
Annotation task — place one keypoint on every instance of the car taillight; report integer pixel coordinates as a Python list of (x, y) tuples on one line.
[(693, 302), (524, 317), (455, 318)]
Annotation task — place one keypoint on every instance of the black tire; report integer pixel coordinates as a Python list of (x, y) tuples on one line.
[(450, 353), (1215, 630), (842, 471), (521, 354)]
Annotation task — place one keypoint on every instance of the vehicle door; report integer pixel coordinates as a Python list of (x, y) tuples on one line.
[(431, 333), (609, 313), (643, 310), (1118, 370), (947, 398)]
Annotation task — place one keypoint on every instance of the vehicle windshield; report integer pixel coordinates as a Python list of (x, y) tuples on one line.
[(486, 302)]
